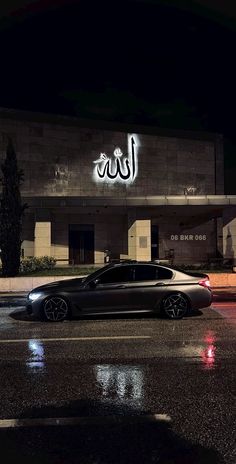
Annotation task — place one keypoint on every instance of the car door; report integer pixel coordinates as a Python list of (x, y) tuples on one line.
[(108, 292), (149, 285)]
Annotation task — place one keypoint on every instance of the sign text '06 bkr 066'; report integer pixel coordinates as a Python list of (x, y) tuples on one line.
[(122, 287)]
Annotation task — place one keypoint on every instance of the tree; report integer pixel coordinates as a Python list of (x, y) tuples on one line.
[(11, 213)]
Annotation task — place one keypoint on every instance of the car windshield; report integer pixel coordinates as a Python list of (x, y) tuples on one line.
[(95, 274)]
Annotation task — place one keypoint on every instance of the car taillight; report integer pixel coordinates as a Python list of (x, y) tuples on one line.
[(205, 282)]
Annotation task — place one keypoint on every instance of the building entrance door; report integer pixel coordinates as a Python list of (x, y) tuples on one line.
[(154, 242), (81, 244)]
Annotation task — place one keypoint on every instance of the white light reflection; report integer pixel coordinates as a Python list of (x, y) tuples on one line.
[(120, 382), (36, 361)]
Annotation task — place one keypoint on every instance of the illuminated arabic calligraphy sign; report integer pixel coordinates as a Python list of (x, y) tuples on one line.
[(119, 168)]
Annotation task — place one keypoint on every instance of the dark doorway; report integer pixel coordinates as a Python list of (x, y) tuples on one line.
[(154, 242), (81, 244)]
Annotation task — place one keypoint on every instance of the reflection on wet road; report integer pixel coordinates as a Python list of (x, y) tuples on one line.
[(179, 375), (123, 384), (208, 353), (36, 359)]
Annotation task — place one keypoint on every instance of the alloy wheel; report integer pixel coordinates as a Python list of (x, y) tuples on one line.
[(175, 306), (55, 309)]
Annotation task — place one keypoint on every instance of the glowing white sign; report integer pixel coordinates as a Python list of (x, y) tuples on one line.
[(118, 169)]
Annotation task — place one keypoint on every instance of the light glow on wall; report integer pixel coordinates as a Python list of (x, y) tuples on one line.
[(119, 168)]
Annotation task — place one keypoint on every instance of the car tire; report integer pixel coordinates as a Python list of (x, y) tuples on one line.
[(175, 306), (55, 308)]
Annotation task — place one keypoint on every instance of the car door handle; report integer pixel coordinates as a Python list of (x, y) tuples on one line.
[(121, 286), (159, 284)]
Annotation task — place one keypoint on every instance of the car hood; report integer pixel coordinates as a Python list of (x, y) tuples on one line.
[(59, 284)]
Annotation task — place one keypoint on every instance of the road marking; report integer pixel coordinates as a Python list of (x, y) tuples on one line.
[(75, 339), (83, 420)]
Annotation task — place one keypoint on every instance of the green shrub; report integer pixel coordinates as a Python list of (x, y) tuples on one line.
[(47, 262), (32, 264)]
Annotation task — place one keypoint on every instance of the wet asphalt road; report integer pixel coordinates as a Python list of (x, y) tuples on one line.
[(118, 389)]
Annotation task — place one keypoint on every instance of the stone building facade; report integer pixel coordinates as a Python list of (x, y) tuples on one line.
[(99, 189)]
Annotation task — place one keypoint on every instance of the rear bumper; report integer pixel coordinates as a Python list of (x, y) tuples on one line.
[(202, 300)]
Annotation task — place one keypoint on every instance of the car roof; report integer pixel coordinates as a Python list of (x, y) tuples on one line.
[(174, 269), (132, 262)]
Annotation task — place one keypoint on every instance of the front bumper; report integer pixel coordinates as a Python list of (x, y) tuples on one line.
[(29, 309)]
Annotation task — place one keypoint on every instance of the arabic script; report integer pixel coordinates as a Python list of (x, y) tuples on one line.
[(119, 168)]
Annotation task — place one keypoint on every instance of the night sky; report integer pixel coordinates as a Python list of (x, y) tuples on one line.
[(164, 63)]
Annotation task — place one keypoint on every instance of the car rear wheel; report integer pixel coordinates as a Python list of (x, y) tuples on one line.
[(175, 306), (55, 309)]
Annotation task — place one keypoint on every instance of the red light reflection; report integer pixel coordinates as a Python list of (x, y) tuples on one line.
[(208, 354)]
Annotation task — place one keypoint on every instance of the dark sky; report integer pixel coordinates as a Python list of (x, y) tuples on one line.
[(166, 63)]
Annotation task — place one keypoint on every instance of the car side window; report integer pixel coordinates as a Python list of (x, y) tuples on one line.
[(146, 272), (164, 273), (118, 274), (143, 272)]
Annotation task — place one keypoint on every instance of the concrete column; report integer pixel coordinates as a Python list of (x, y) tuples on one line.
[(229, 234), (28, 226), (59, 237), (42, 238), (139, 238), (101, 231)]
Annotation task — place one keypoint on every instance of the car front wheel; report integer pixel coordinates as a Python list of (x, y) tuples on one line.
[(55, 309), (175, 306)]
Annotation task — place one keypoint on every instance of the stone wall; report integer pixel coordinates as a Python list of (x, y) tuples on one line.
[(112, 232), (190, 245), (59, 160)]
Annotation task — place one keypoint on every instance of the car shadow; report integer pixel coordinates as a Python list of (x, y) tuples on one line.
[(105, 434), (133, 316), (22, 315), (195, 313)]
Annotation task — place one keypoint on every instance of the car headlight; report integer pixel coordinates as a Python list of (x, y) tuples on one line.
[(34, 296)]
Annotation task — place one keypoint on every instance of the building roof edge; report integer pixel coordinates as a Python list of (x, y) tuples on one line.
[(25, 115)]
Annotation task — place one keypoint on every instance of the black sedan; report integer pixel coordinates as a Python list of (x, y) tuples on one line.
[(124, 287)]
